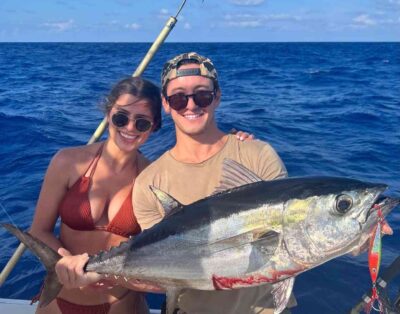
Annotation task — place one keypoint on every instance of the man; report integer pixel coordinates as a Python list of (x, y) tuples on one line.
[(191, 170)]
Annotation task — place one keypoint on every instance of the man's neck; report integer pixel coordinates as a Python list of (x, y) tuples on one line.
[(198, 148)]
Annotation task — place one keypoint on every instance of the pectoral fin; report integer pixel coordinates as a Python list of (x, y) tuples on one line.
[(281, 292)]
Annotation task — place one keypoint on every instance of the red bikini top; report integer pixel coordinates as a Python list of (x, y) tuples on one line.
[(75, 210)]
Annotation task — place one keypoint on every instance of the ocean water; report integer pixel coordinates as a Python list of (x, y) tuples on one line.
[(327, 108)]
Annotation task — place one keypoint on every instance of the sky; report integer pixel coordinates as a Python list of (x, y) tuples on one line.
[(199, 21)]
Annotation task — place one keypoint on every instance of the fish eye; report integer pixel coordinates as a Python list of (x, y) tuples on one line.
[(343, 203)]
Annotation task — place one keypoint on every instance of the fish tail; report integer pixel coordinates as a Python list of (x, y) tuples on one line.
[(47, 256)]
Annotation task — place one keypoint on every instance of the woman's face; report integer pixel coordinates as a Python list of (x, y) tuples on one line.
[(130, 122)]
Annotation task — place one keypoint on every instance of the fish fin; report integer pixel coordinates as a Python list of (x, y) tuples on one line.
[(235, 175), (47, 256), (266, 242), (169, 204), (262, 249), (256, 236), (266, 237), (281, 292), (263, 245), (51, 288), (172, 299)]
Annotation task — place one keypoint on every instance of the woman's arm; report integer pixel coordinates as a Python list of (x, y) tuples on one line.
[(69, 268), (54, 186), (70, 273)]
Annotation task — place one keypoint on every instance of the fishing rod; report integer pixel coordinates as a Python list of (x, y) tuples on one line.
[(169, 25), (142, 66)]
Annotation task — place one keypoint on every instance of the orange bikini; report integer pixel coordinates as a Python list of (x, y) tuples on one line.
[(75, 212)]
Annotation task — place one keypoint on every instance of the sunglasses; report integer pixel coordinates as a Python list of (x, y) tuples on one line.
[(202, 99), (121, 119)]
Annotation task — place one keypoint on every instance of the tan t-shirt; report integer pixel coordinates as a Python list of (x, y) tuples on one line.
[(188, 183)]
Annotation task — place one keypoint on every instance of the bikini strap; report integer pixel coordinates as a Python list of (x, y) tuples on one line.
[(94, 161)]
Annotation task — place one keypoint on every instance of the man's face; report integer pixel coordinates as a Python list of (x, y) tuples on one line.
[(192, 120)]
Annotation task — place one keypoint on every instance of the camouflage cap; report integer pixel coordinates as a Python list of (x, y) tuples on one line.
[(171, 72)]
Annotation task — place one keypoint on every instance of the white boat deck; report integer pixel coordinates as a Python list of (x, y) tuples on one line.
[(23, 307), (16, 306)]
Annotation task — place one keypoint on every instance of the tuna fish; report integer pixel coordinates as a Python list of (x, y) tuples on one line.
[(269, 231)]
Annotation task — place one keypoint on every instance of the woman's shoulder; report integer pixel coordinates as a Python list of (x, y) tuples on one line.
[(75, 156)]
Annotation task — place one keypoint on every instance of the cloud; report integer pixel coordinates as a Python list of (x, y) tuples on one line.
[(258, 20), (245, 24), (242, 20), (164, 14), (187, 26), (60, 26), (388, 6), (392, 2), (66, 4), (134, 26), (124, 2), (247, 2), (364, 20)]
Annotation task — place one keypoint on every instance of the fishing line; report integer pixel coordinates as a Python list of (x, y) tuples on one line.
[(9, 217)]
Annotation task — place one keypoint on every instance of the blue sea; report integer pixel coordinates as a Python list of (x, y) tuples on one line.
[(327, 108)]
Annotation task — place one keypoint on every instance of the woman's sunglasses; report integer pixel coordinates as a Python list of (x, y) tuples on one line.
[(202, 98), (121, 119)]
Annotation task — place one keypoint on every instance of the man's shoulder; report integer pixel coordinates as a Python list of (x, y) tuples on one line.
[(259, 157), (251, 146)]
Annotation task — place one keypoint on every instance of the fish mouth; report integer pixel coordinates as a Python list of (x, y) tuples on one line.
[(382, 206)]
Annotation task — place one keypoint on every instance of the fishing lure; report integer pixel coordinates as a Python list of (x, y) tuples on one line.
[(374, 261)]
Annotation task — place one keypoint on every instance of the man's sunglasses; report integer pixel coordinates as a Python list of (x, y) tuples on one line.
[(121, 119), (202, 98)]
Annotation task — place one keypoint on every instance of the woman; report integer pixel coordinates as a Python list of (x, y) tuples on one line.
[(89, 188)]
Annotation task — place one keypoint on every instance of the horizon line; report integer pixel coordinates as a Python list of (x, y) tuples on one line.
[(198, 42)]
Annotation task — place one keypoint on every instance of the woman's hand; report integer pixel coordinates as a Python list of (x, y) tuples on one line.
[(242, 136), (70, 271)]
